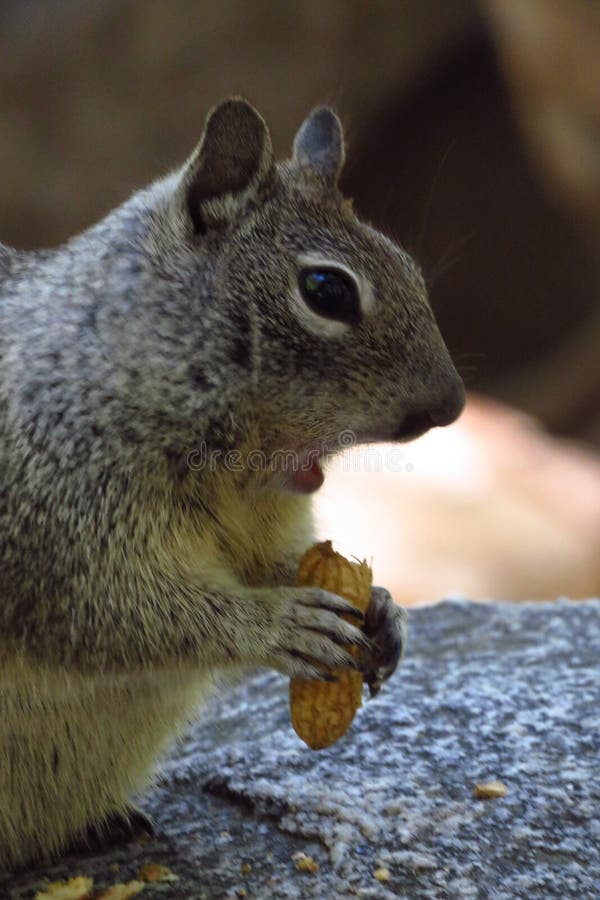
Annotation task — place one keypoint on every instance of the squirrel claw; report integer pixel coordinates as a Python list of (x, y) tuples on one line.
[(120, 827), (385, 624)]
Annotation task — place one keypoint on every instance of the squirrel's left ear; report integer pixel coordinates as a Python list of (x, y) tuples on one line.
[(232, 164), (319, 144)]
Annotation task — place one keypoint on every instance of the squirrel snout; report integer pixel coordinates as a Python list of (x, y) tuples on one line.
[(450, 406), (442, 411)]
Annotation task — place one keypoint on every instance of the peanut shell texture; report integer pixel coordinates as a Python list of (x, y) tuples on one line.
[(322, 712)]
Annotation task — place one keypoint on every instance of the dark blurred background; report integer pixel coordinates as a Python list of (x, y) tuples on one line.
[(474, 139)]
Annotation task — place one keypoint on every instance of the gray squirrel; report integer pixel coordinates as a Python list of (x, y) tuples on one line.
[(236, 305)]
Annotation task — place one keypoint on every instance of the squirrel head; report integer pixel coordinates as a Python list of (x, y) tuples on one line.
[(314, 326)]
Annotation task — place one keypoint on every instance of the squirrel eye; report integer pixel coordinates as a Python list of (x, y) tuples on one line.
[(330, 293)]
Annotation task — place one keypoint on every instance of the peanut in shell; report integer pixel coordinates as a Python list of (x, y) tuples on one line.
[(321, 711)]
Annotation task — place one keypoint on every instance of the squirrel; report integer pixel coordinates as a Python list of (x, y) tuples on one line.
[(172, 381)]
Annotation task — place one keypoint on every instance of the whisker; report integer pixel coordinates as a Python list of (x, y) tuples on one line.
[(429, 201), (451, 255)]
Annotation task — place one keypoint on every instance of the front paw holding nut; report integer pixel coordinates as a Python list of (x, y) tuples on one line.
[(311, 637), (386, 626)]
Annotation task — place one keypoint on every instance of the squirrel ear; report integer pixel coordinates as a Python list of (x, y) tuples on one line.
[(231, 164), (319, 144)]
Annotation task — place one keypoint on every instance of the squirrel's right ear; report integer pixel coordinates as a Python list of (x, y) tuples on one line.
[(232, 164), (319, 144)]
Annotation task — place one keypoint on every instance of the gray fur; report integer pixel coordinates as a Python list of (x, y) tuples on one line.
[(128, 577)]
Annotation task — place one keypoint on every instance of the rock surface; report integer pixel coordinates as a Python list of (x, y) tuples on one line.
[(487, 692)]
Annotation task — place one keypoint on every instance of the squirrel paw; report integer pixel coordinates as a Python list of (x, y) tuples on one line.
[(118, 828), (386, 625), (310, 634)]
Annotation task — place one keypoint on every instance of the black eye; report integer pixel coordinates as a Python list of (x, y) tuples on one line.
[(330, 293)]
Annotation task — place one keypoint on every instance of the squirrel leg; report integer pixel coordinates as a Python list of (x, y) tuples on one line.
[(297, 630)]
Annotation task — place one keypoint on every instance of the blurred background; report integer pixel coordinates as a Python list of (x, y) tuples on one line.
[(474, 140)]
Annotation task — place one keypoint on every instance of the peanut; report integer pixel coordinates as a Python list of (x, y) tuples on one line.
[(322, 712)]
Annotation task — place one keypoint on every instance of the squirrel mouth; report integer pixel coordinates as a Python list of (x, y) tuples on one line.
[(307, 478)]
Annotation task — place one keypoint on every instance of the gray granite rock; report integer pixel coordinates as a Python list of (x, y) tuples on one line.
[(486, 692)]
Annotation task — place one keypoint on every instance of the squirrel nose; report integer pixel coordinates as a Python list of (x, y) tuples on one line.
[(443, 411), (450, 406)]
